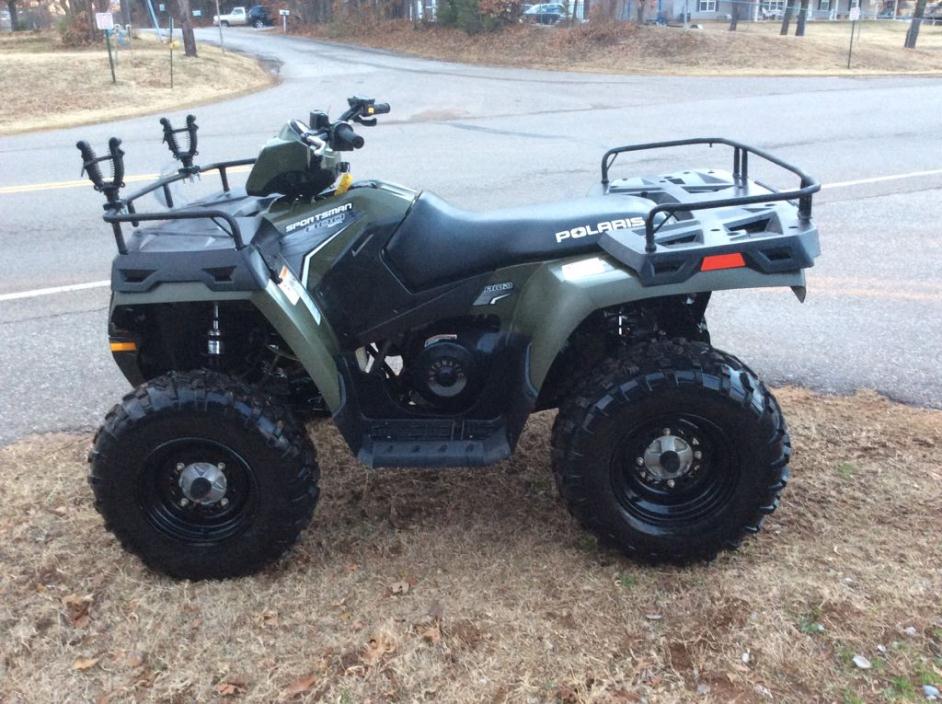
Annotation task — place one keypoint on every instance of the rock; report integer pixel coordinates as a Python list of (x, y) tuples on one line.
[(862, 662), (703, 688), (910, 631), (932, 693)]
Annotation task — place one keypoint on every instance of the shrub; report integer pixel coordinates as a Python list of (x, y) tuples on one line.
[(75, 30), (476, 16)]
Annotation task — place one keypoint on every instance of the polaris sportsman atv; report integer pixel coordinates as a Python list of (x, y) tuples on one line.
[(429, 334)]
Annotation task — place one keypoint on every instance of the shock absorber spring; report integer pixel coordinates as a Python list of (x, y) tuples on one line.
[(214, 344)]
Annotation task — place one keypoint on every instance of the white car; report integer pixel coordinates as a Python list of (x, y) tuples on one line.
[(238, 16)]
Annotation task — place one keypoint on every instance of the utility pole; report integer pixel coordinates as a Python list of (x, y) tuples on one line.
[(219, 24)]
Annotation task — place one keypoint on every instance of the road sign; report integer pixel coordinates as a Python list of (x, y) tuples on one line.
[(197, 13), (284, 13), (854, 14), (104, 20)]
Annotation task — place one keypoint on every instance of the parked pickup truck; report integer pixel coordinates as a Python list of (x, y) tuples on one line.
[(256, 16)]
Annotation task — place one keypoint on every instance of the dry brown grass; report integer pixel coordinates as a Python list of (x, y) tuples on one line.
[(45, 87), (475, 586), (756, 49)]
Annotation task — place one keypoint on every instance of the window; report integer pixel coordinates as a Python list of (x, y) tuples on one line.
[(778, 5), (824, 5), (706, 5)]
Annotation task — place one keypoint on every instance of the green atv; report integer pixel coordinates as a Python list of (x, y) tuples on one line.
[(429, 334)]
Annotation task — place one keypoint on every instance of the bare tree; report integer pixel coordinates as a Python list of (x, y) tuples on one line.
[(786, 17), (14, 24), (802, 18), (912, 34), (734, 16), (186, 27)]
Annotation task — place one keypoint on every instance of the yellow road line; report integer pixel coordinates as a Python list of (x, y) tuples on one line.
[(85, 183)]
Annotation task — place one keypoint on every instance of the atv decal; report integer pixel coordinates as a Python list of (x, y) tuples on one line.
[(326, 218), (306, 264), (289, 286), (606, 226), (492, 293)]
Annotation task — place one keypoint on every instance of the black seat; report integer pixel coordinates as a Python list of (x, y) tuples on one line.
[(437, 242)]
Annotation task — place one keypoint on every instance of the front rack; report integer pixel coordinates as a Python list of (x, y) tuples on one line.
[(121, 210), (807, 187)]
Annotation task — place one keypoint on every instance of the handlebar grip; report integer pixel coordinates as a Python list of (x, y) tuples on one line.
[(380, 108), (90, 163), (345, 139)]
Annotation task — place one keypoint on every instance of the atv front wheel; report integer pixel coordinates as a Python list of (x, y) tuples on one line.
[(673, 452), (201, 477)]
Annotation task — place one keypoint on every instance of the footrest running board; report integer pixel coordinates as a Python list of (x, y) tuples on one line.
[(434, 443)]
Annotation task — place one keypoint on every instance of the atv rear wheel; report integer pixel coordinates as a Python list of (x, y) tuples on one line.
[(201, 477), (673, 451)]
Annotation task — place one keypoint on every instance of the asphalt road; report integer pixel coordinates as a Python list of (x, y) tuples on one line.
[(489, 137)]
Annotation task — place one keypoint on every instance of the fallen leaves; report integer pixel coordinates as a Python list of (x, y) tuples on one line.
[(77, 609), (230, 688), (299, 686), (135, 659), (432, 634), (377, 648), (83, 664), (399, 588)]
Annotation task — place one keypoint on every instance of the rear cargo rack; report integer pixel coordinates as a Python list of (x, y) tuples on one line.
[(741, 152), (760, 224)]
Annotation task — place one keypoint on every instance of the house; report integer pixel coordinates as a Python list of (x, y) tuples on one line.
[(759, 10)]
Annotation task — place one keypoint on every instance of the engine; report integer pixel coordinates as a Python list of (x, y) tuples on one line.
[(448, 369)]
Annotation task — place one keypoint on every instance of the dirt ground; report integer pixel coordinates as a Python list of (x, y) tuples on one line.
[(45, 86), (475, 586), (755, 49)]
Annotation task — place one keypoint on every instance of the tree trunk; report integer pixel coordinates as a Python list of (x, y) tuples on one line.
[(640, 11), (786, 18), (92, 28), (802, 18), (186, 27), (14, 24), (734, 16), (912, 34)]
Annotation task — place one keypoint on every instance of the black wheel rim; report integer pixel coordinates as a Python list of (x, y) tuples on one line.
[(701, 492), (162, 499)]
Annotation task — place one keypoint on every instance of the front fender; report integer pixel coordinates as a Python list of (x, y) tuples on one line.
[(286, 305), (562, 293)]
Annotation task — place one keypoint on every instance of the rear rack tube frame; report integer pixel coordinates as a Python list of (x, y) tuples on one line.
[(807, 186), (116, 217)]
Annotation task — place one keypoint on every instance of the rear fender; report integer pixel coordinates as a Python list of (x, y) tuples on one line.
[(562, 293), (289, 309)]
